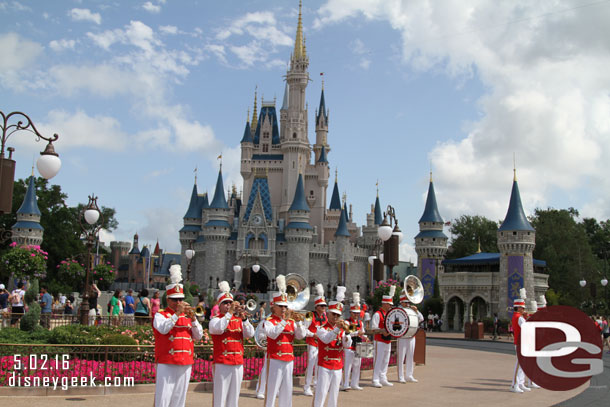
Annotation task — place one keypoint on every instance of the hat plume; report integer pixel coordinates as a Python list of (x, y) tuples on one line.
[(522, 293), (281, 283), (356, 298), (392, 291), (224, 287), (175, 274), (319, 290)]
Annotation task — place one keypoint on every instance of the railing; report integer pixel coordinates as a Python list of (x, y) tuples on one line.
[(51, 321), (135, 364)]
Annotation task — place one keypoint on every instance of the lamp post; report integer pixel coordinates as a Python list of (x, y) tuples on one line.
[(91, 214), (391, 238), (245, 277), (190, 254), (48, 163)]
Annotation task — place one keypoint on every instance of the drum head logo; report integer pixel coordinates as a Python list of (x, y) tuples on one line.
[(397, 322), (560, 348)]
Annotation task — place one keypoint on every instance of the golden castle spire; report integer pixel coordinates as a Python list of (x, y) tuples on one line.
[(514, 168), (298, 42), (255, 112)]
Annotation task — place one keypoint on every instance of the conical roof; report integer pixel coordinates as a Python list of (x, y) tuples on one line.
[(219, 201), (335, 200), (30, 203), (194, 210), (431, 213), (378, 217), (299, 203), (322, 158), (247, 138), (342, 228), (515, 217)]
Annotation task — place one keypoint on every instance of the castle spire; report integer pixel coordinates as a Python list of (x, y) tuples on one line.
[(335, 200), (299, 203), (194, 208), (342, 228), (431, 213), (219, 201), (515, 216), (378, 218), (299, 51), (255, 111)]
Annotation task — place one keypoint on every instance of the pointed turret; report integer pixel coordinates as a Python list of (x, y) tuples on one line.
[(299, 49), (194, 210), (299, 203), (322, 158), (378, 217), (285, 101), (219, 201), (515, 217), (342, 228), (27, 229), (157, 249), (247, 138), (135, 249), (255, 112), (322, 113), (431, 213), (30, 203), (335, 200)]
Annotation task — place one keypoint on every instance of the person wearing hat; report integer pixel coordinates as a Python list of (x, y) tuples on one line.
[(332, 342), (352, 360), (174, 349), (383, 345), (281, 333), (518, 384), (319, 319), (228, 329), (406, 346)]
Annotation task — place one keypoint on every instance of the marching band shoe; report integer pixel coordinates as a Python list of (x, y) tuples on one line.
[(412, 379), (516, 389), (342, 388), (307, 391), (534, 386), (386, 383), (524, 387), (402, 381), (377, 384), (357, 388), (260, 396)]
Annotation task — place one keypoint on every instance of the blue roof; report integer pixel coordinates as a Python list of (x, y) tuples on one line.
[(219, 223), (271, 157), (134, 250), (298, 225), (515, 217), (335, 200), (190, 228), (203, 201), (342, 228), (484, 258), (169, 259), (200, 239), (431, 213), (431, 233), (26, 224), (145, 252), (322, 158), (275, 133), (219, 201), (30, 203), (322, 109), (194, 210), (259, 186), (378, 217), (247, 138), (299, 203), (280, 237)]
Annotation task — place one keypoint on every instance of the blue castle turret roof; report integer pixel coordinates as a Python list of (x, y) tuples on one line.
[(431, 213), (247, 138), (378, 218), (30, 203), (194, 210), (335, 200), (299, 203), (322, 109), (515, 217), (322, 158), (219, 201), (342, 228)]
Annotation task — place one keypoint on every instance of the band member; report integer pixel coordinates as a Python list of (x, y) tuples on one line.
[(174, 334), (281, 333), (332, 342), (382, 341), (319, 319), (406, 346), (534, 309), (262, 377), (352, 360), (518, 385), (228, 329)]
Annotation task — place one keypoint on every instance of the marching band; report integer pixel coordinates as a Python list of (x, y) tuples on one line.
[(334, 345)]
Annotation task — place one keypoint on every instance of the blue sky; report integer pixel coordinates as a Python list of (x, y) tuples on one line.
[(142, 92)]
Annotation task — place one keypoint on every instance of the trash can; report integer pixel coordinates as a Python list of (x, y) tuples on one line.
[(419, 356), (467, 330)]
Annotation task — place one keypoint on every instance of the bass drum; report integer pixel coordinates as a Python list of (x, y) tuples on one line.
[(260, 337), (413, 323)]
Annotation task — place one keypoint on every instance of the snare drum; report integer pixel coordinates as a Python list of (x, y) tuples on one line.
[(364, 349)]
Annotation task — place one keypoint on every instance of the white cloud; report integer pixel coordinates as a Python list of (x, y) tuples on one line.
[(406, 252), (544, 67), (152, 8), (61, 45), (83, 14), (163, 224), (362, 52), (17, 52), (168, 29)]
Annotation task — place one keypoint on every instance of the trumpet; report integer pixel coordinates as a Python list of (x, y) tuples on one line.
[(343, 324), (190, 312), (239, 310), (199, 311), (299, 316)]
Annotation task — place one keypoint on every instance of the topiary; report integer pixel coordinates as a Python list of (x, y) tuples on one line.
[(31, 319), (32, 292), (118, 339)]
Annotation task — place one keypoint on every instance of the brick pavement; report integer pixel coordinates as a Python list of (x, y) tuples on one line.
[(458, 377)]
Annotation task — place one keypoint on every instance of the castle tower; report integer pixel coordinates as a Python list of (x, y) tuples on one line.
[(516, 241), (192, 221), (342, 246), (118, 252), (247, 148), (321, 128), (298, 233), (27, 230), (216, 232), (134, 255), (430, 243)]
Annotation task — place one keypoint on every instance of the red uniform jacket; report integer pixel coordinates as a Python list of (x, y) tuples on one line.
[(330, 355), (516, 328), (313, 327), (229, 347), (280, 348), (380, 337), (176, 347)]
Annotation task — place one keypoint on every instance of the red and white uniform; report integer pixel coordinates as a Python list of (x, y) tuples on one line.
[(174, 354), (332, 343), (352, 360), (383, 348), (516, 321), (280, 336), (405, 351), (228, 333), (312, 348)]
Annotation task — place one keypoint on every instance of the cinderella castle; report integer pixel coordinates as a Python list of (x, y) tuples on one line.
[(281, 223)]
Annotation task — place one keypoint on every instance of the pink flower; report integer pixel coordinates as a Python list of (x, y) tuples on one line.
[(32, 254)]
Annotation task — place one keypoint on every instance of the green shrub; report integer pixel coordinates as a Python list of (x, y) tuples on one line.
[(433, 305), (118, 339), (73, 334), (32, 292), (31, 319)]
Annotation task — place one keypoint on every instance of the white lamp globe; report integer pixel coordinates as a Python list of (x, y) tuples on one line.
[(48, 165), (237, 268), (372, 260), (381, 257), (384, 232), (189, 253), (256, 268), (91, 216), (582, 282), (604, 281)]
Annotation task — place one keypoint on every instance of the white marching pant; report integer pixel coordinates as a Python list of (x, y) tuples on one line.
[(351, 369), (328, 385), (227, 384), (279, 383), (171, 385), (312, 365), (382, 359), (262, 377), (518, 375), (406, 350)]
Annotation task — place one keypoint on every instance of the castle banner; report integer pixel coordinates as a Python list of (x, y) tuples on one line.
[(515, 278), (428, 276)]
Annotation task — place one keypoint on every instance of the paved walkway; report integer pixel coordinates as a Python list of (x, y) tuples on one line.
[(454, 376)]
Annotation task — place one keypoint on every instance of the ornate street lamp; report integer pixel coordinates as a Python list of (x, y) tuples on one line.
[(91, 214), (245, 276), (48, 163), (582, 282), (190, 254), (391, 237)]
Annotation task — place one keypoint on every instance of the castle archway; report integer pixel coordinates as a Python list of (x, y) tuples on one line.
[(259, 282)]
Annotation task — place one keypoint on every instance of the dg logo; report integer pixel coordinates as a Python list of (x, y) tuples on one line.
[(560, 348)]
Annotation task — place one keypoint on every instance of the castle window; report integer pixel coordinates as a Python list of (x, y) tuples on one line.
[(265, 148), (514, 233), (265, 135), (311, 192), (294, 135)]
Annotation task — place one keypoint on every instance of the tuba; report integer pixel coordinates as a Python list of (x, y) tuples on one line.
[(414, 289), (199, 311), (297, 291), (251, 305)]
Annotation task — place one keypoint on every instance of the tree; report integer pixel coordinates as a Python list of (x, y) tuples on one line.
[(467, 231)]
